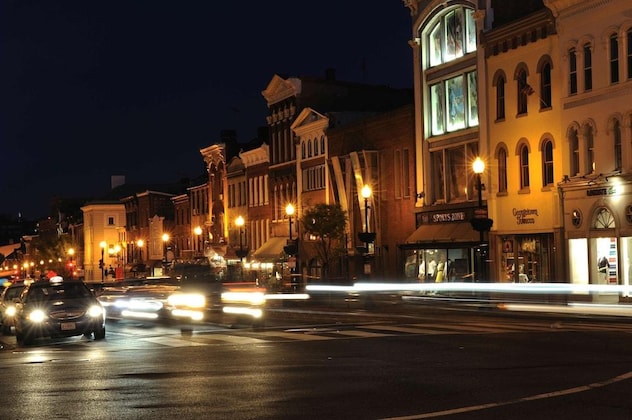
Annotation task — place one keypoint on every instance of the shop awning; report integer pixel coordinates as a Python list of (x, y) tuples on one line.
[(271, 250), (444, 232)]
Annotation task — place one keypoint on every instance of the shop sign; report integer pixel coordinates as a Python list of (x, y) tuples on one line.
[(457, 216), (601, 191), (525, 216)]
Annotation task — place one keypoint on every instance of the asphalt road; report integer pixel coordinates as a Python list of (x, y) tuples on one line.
[(421, 361)]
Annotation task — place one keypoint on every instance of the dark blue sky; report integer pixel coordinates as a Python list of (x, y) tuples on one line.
[(92, 89)]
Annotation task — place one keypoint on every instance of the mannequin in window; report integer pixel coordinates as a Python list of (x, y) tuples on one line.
[(604, 269)]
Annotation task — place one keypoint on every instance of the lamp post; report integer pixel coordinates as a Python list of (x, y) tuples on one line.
[(289, 210), (103, 245), (71, 253), (480, 222), (140, 243), (198, 234), (366, 236), (291, 248), (165, 240), (241, 252)]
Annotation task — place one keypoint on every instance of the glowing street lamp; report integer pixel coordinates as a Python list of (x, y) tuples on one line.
[(480, 222), (366, 236), (241, 252), (71, 253), (198, 234), (103, 245), (140, 243), (165, 240), (289, 210)]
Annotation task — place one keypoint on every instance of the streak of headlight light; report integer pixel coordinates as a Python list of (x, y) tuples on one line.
[(254, 298), (253, 312), (287, 296), (144, 305), (144, 315), (586, 308), (561, 288)]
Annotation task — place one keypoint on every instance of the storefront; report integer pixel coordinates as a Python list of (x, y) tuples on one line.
[(527, 242), (598, 220), (442, 248)]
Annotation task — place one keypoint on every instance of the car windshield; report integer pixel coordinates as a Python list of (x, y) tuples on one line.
[(13, 292), (67, 290)]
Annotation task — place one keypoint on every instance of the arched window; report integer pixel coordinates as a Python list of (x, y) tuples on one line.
[(572, 71), (587, 49), (614, 58), (303, 154), (523, 91), (500, 98), (322, 145), (547, 163), (604, 219), (545, 86), (573, 143), (502, 170), (524, 166), (629, 52), (309, 148), (618, 157), (589, 149)]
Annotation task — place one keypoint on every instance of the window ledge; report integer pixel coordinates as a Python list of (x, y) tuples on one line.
[(525, 190)]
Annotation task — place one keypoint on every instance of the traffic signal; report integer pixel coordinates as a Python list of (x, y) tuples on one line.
[(101, 264)]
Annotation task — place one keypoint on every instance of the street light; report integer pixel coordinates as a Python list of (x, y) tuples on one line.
[(140, 243), (165, 239), (480, 222), (366, 236), (71, 252), (103, 245), (241, 253), (289, 210), (291, 248), (198, 233)]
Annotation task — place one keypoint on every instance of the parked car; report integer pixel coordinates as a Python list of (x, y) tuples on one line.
[(7, 305), (58, 308)]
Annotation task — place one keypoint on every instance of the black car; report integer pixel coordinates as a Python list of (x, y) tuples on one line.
[(7, 305), (58, 308)]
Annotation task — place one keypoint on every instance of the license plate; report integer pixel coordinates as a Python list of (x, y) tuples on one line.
[(65, 326)]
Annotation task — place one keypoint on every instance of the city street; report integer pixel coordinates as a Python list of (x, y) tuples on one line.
[(428, 363)]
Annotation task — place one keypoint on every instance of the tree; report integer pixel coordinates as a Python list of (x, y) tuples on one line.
[(326, 222)]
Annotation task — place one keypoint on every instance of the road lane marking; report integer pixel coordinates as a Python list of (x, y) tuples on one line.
[(554, 394)]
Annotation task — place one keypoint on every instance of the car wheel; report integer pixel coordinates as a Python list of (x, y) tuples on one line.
[(99, 334)]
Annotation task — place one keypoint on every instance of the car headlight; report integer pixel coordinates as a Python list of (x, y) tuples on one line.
[(95, 311), (37, 315), (10, 311)]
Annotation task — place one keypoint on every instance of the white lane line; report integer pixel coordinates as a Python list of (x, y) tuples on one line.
[(546, 395)]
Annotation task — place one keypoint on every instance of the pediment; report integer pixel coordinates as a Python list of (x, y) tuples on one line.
[(280, 88), (309, 120)]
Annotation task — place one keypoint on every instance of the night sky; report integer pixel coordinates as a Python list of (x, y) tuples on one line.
[(92, 89)]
